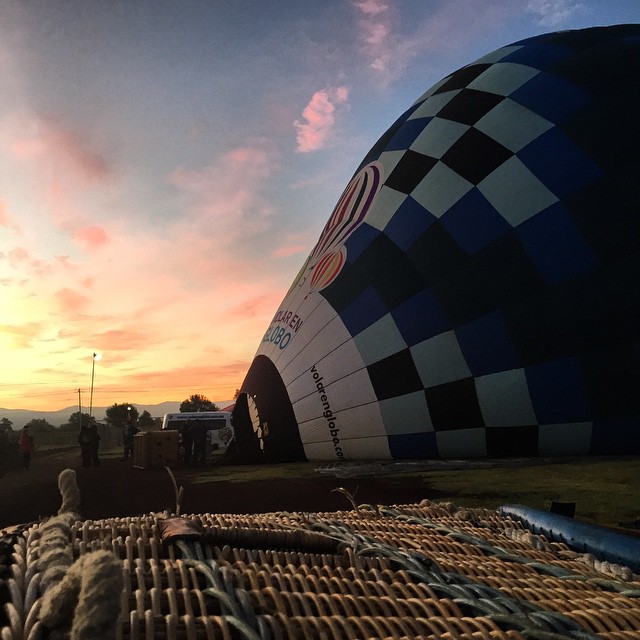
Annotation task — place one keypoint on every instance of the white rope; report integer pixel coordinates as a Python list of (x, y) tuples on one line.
[(608, 568), (85, 605), (69, 491), (54, 551), (81, 599)]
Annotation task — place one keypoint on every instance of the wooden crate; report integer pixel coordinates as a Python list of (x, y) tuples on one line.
[(155, 449)]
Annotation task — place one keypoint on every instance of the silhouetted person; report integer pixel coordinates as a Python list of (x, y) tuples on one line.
[(26, 447), (199, 443), (187, 442), (130, 431), (89, 440)]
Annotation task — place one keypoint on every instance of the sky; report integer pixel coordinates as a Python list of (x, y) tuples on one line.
[(166, 167)]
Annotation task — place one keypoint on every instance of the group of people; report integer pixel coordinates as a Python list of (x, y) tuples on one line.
[(193, 443), (89, 440)]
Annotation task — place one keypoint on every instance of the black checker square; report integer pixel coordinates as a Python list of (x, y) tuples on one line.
[(601, 56), (606, 212), (475, 155), (398, 282), (492, 279), (503, 442), (454, 405), (394, 376), (469, 106), (410, 171), (351, 282), (386, 137), (461, 78), (612, 380), (435, 254)]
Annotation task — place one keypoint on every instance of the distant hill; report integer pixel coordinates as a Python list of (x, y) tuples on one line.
[(20, 417)]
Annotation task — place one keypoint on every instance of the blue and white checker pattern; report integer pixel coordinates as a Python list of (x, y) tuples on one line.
[(506, 320)]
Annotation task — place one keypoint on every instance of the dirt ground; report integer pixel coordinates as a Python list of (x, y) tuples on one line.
[(117, 488)]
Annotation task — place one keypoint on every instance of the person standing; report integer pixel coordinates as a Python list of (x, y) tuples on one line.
[(89, 440), (94, 445), (84, 439), (26, 447), (186, 434), (129, 433)]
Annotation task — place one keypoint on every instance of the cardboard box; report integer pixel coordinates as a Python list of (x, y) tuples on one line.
[(155, 449)]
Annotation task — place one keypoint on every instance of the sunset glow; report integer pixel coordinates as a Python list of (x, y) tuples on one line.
[(166, 169)]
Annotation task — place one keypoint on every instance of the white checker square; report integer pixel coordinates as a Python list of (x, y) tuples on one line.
[(504, 399), (440, 189), (438, 137), (373, 448), (389, 160), (515, 192), (503, 78), (379, 340), (512, 125), (384, 207), (432, 105), (347, 423), (440, 360), (462, 443), (430, 91), (325, 340), (564, 439), (406, 414)]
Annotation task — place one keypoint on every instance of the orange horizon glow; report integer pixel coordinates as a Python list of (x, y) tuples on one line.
[(137, 389), (157, 199)]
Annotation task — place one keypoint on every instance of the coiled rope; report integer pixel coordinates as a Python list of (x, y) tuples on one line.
[(81, 599)]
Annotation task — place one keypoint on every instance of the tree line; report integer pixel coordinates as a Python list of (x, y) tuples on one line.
[(117, 415)]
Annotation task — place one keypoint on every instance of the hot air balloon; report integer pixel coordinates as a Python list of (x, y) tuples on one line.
[(475, 290)]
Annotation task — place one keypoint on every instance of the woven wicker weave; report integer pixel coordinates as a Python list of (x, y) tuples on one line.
[(411, 571)]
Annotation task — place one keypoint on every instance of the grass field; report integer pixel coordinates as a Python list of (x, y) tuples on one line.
[(605, 490)]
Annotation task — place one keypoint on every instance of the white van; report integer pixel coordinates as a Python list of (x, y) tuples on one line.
[(217, 423)]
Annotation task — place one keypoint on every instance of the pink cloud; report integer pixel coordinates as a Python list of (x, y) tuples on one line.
[(371, 7), (293, 244), (19, 255), (121, 340), (552, 13), (291, 250), (319, 118), (4, 216), (91, 237), (65, 149), (389, 49), (22, 335), (251, 307), (70, 301), (224, 202)]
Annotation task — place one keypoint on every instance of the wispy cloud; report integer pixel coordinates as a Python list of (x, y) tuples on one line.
[(390, 42), (71, 301), (553, 13), (5, 221), (374, 22), (226, 197), (91, 237), (44, 139), (319, 118)]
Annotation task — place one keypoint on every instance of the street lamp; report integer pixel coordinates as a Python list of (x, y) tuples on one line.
[(96, 357)]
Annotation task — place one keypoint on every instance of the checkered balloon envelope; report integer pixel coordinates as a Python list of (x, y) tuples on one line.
[(475, 290)]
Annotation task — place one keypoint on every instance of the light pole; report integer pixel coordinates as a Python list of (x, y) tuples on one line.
[(96, 356)]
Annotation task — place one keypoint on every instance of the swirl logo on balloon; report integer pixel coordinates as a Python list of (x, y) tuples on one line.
[(329, 255)]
